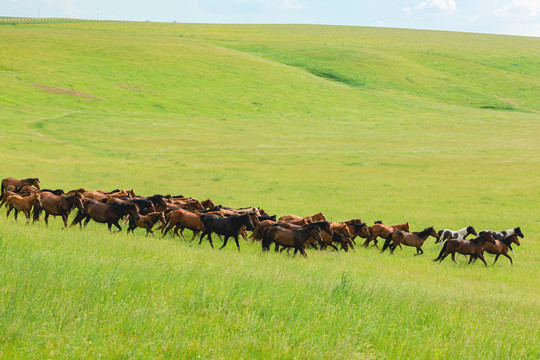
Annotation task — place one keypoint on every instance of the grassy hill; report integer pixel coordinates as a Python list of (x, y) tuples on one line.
[(437, 128)]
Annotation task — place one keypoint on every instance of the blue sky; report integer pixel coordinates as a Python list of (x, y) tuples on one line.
[(513, 17)]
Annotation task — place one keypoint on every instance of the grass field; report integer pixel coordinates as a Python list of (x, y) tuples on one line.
[(435, 128)]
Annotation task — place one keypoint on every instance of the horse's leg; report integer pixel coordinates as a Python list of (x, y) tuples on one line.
[(303, 252), (115, 223), (27, 214), (224, 242), (46, 218), (167, 228), (236, 240), (87, 220), (509, 258), (195, 233), (202, 236), (483, 259), (497, 258), (444, 256), (65, 219), (210, 239), (333, 247)]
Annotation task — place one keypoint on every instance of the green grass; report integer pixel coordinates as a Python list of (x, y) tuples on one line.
[(440, 129)]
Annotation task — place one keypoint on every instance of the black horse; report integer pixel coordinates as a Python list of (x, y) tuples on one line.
[(229, 226)]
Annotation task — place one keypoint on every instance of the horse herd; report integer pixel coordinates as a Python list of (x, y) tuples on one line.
[(205, 218)]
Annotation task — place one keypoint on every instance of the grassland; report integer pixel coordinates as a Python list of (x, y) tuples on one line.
[(435, 128)]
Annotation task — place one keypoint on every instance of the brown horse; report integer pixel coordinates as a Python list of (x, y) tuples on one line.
[(5, 195), (290, 218), (357, 228), (59, 205), (183, 219), (474, 247), (260, 228), (24, 204), (147, 222), (208, 204), (292, 238), (383, 231), (344, 240), (105, 213), (415, 239), (17, 184), (501, 247)]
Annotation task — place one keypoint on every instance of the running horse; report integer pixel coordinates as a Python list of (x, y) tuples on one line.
[(383, 231), (24, 204), (415, 239), (292, 238), (460, 234), (17, 184), (105, 213), (473, 247), (59, 205), (501, 247)]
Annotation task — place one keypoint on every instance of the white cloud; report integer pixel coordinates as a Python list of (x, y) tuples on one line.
[(444, 5), (519, 8), (292, 4), (66, 5)]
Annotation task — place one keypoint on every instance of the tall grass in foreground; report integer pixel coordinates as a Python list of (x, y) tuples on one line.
[(85, 294)]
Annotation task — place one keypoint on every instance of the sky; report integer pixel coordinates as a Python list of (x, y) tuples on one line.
[(510, 17)]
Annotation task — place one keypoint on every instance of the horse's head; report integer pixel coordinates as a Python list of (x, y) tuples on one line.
[(324, 226), (246, 218), (342, 240), (433, 233), (488, 237), (208, 204), (315, 233), (77, 201), (254, 219), (518, 232), (515, 239), (35, 182), (471, 230), (362, 230), (133, 210), (319, 217), (407, 229), (37, 200)]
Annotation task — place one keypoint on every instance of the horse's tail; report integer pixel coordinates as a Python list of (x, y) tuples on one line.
[(387, 242), (2, 189), (266, 241), (442, 252)]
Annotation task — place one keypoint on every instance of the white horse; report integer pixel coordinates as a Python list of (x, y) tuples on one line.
[(461, 234), (500, 235)]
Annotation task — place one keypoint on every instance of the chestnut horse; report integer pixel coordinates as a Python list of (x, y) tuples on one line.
[(474, 247), (24, 204), (182, 219), (292, 238), (17, 184), (415, 239), (383, 231), (291, 218), (59, 205)]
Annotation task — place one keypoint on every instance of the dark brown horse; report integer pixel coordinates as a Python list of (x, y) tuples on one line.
[(415, 239), (501, 247), (474, 247), (292, 238), (105, 213), (383, 231), (147, 222), (24, 204), (59, 205), (17, 184)]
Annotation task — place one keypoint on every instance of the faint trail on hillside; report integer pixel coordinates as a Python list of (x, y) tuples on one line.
[(27, 126)]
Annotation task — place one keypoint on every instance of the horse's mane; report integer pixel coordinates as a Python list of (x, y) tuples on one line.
[(119, 208), (508, 239), (425, 232)]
